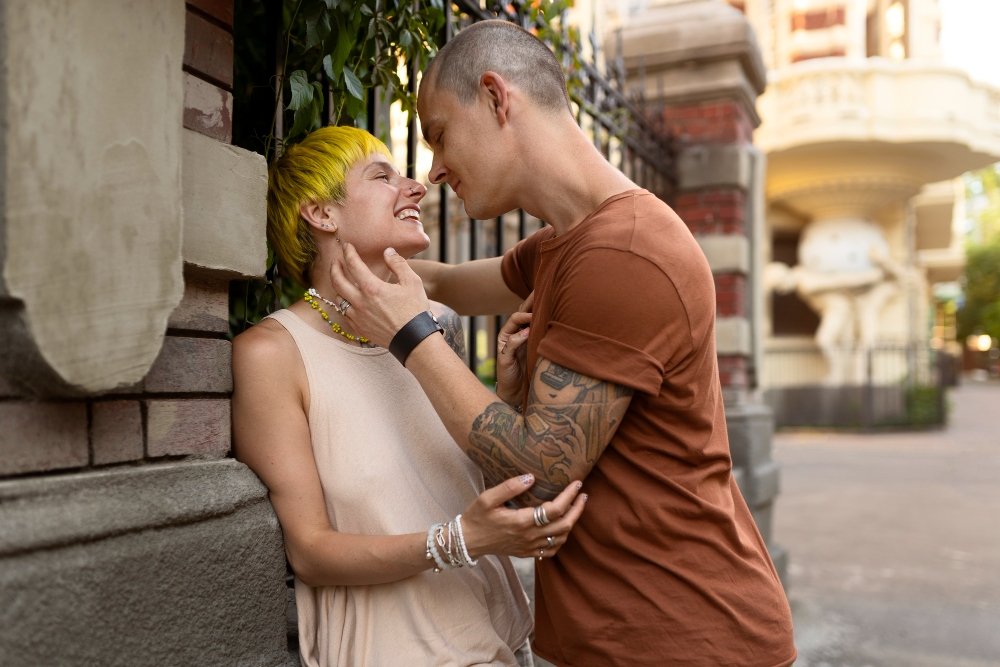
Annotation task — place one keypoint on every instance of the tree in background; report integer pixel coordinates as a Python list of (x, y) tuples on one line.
[(980, 310)]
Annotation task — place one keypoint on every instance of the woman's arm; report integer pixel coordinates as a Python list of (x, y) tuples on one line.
[(271, 436)]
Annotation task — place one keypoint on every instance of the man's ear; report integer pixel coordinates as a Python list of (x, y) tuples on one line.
[(497, 93), (319, 216)]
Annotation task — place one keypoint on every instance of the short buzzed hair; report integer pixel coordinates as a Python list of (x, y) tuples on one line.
[(507, 49)]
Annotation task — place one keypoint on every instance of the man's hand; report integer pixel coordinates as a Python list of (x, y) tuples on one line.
[(378, 309), (512, 355)]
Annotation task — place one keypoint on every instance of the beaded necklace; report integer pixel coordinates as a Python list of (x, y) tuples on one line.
[(312, 297)]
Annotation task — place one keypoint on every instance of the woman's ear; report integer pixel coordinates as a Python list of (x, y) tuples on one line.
[(319, 216)]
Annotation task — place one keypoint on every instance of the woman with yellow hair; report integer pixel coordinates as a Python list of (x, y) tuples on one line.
[(400, 556)]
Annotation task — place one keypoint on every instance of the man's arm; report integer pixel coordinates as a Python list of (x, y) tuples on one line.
[(475, 287), (569, 419)]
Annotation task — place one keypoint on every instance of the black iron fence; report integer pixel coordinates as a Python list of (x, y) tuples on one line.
[(879, 387)]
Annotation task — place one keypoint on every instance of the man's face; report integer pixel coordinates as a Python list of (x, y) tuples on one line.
[(466, 143)]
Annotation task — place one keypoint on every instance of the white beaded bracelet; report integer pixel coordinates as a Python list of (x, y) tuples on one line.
[(461, 542), (432, 551)]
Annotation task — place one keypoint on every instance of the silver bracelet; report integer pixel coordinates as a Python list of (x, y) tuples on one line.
[(461, 543)]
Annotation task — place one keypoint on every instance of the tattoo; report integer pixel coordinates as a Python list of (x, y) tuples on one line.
[(556, 376), (569, 421), (454, 334)]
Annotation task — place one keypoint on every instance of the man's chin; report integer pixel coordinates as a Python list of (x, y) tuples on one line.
[(482, 212)]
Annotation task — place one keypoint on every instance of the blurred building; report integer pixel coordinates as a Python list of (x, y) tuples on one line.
[(865, 130)]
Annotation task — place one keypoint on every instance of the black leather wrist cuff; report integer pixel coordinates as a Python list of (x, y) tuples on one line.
[(420, 327)]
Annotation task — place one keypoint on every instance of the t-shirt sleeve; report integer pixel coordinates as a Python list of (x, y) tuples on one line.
[(520, 262), (619, 319)]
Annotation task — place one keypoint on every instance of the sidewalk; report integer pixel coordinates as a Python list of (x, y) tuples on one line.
[(894, 541)]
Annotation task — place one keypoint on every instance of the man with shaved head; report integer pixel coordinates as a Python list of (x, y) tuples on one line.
[(620, 376)]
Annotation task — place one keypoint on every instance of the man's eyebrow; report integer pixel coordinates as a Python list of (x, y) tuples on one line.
[(426, 127)]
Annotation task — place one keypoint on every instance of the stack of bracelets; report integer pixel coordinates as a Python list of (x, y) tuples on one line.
[(446, 546)]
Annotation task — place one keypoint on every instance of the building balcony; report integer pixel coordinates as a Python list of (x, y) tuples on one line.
[(897, 124)]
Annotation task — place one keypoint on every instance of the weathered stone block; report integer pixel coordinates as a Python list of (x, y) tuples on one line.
[(189, 365), (90, 148), (225, 191), (178, 564), (116, 431), (763, 516), (188, 427), (751, 429), (208, 109), (37, 437)]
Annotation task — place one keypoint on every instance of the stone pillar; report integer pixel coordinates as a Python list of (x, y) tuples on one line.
[(699, 69), (127, 534)]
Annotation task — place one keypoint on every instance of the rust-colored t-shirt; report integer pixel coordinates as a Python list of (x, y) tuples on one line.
[(665, 566)]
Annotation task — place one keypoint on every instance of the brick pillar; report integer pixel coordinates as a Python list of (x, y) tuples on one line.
[(127, 533), (700, 71)]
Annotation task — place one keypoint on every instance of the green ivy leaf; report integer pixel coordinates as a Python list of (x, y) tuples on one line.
[(308, 117), (301, 90), (317, 27), (353, 84)]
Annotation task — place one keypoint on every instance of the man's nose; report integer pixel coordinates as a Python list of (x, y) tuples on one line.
[(438, 174)]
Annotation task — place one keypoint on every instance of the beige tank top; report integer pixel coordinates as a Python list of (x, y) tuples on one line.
[(389, 466)]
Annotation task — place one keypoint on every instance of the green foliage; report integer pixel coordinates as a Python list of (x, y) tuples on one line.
[(980, 313), (303, 64), (926, 406)]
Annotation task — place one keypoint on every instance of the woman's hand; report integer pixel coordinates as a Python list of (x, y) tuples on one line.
[(492, 528), (512, 355)]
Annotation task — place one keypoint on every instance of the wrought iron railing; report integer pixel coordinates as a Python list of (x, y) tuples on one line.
[(876, 387)]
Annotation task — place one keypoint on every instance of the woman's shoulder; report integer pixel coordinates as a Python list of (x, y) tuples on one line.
[(266, 342)]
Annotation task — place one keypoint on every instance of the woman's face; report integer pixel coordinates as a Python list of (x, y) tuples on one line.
[(381, 210)]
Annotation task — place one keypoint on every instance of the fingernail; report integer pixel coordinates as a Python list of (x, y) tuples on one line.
[(585, 497), (390, 251), (579, 485), (527, 479)]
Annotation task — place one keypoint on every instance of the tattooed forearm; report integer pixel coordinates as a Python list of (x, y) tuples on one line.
[(451, 322), (569, 421)]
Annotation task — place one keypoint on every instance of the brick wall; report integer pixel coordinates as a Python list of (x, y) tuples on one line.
[(717, 210)]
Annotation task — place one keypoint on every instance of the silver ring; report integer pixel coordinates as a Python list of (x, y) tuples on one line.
[(541, 518), (550, 540), (344, 305)]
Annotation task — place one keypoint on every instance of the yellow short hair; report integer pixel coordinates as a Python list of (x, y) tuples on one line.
[(313, 170)]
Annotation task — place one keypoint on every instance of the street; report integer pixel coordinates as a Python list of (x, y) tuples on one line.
[(894, 540)]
